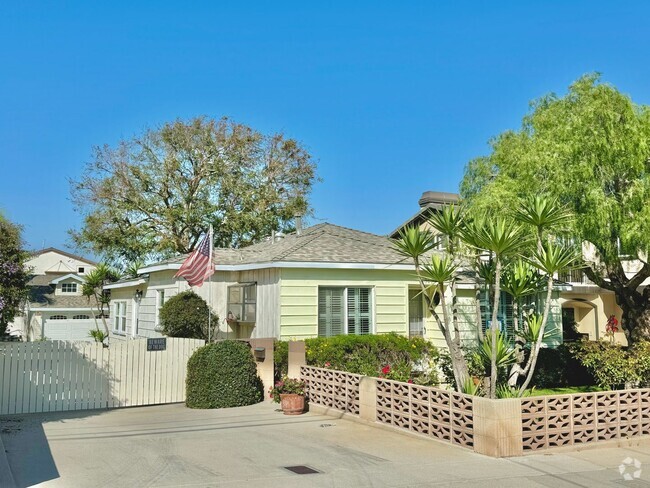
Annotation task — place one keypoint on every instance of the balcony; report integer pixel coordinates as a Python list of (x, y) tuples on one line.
[(575, 277)]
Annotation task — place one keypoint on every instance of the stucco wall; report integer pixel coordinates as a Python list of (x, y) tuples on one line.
[(592, 311), (45, 261)]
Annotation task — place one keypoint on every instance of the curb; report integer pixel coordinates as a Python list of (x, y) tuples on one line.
[(6, 476)]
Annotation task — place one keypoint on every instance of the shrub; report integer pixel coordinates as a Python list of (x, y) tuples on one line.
[(474, 364), (615, 366), (223, 375), (186, 315), (368, 355), (558, 367), (280, 359)]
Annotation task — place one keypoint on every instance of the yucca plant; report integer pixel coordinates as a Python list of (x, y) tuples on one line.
[(550, 259), (543, 213), (433, 276), (93, 290), (520, 280), (503, 239)]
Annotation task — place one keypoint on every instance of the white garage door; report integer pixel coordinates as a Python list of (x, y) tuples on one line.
[(69, 329)]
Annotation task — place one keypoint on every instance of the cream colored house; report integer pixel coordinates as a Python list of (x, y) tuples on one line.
[(320, 281), (589, 305), (56, 309)]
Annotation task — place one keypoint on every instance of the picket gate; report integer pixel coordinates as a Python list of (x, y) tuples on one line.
[(57, 376)]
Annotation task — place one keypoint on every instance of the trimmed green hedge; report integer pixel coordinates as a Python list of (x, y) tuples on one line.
[(388, 355), (223, 375)]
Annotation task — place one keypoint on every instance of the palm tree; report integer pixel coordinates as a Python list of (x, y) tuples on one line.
[(520, 280), (543, 213), (93, 289), (549, 259), (503, 239), (433, 277)]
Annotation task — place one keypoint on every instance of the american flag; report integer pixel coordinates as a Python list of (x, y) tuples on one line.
[(198, 266)]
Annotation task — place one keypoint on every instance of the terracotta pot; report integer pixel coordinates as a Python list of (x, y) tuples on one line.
[(292, 403)]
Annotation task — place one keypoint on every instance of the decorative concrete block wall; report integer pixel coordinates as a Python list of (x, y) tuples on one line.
[(497, 428)]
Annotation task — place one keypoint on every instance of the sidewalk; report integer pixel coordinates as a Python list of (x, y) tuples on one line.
[(171, 445)]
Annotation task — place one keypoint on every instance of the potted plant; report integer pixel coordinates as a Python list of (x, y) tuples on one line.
[(290, 394)]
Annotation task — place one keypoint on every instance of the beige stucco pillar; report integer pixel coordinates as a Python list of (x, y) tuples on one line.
[(297, 358), (265, 363), (368, 398), (497, 427)]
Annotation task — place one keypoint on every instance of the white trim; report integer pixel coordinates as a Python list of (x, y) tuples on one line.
[(125, 284), (135, 310), (58, 309), (65, 277), (287, 264), (117, 318)]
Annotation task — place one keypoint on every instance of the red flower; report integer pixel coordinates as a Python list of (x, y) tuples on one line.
[(410, 381), (385, 369), (327, 364)]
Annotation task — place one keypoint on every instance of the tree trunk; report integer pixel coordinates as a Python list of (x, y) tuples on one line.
[(534, 348), (461, 372), (493, 328), (636, 323)]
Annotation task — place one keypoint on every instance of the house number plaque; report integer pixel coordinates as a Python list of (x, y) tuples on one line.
[(157, 344)]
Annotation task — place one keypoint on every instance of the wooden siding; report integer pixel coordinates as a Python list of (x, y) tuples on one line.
[(267, 313)]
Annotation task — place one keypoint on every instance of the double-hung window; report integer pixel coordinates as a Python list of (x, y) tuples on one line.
[(344, 311), (119, 316), (242, 302)]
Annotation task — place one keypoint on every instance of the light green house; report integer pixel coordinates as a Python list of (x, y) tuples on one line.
[(322, 280)]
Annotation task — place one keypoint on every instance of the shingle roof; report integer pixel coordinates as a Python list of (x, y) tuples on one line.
[(44, 297), (322, 243)]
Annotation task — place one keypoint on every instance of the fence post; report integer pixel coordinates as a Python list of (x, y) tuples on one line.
[(497, 427), (368, 398), (297, 358), (265, 365)]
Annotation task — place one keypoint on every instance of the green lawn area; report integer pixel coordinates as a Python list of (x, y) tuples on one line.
[(564, 391)]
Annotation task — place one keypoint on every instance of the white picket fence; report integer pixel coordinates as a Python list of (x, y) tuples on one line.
[(57, 376)]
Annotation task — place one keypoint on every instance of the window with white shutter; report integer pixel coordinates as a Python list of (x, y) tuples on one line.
[(344, 311), (359, 311), (330, 311)]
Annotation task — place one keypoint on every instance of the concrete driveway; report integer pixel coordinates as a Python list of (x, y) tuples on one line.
[(171, 445)]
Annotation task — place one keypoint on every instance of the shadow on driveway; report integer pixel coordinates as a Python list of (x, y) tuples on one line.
[(27, 447)]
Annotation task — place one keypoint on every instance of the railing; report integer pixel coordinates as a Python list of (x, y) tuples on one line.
[(577, 276)]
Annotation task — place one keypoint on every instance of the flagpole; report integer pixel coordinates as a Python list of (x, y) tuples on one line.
[(210, 287)]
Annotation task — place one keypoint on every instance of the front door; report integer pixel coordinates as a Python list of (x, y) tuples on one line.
[(416, 314)]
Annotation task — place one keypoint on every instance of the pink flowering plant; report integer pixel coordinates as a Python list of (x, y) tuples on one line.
[(285, 386)]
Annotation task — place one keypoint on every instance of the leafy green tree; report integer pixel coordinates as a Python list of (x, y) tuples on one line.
[(13, 273), (591, 150), (154, 195), (188, 315)]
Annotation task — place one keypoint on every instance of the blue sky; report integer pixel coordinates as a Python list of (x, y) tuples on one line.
[(391, 98)]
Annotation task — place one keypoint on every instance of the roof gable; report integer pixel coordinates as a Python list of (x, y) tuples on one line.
[(64, 254)]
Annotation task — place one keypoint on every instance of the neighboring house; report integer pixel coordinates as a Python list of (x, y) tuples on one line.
[(321, 281), (589, 306), (56, 309)]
